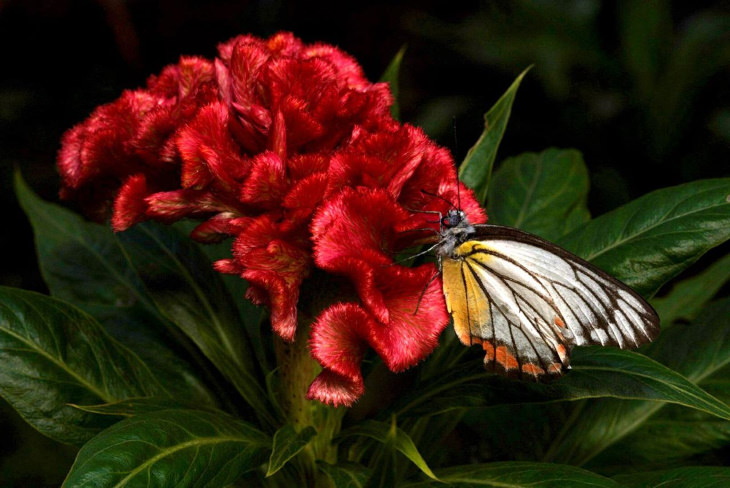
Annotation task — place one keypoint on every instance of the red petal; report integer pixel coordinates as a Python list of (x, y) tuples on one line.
[(278, 268), (209, 152), (339, 338), (276, 260), (266, 184), (415, 326), (352, 235), (306, 193), (171, 206), (356, 221), (336, 390), (214, 229), (130, 206), (384, 159)]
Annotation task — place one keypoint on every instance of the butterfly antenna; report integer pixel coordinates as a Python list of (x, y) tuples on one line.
[(456, 153), (439, 197)]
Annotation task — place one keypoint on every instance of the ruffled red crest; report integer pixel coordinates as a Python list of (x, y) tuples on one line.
[(344, 332), (130, 206), (290, 150), (210, 156)]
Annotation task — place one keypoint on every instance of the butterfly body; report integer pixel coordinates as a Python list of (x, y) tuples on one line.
[(528, 301)]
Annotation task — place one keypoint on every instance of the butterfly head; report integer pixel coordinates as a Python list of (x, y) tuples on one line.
[(455, 229)]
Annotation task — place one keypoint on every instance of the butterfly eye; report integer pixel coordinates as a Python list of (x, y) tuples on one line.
[(452, 219)]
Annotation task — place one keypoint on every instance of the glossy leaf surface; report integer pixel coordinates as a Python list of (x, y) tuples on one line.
[(53, 355), (170, 448)]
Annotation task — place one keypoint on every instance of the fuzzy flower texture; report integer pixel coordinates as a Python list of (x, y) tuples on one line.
[(290, 151)]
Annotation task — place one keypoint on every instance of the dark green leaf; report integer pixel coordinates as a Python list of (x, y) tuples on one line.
[(651, 239), (345, 475), (170, 448), (524, 430), (287, 444), (673, 436), (517, 474), (696, 352), (687, 477), (83, 264), (665, 441), (52, 355), (251, 315), (702, 351), (626, 374), (135, 406), (390, 435), (597, 372), (543, 193), (190, 293), (687, 297), (390, 76), (476, 169), (430, 432)]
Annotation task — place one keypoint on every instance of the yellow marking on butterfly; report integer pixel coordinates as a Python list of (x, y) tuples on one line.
[(464, 298)]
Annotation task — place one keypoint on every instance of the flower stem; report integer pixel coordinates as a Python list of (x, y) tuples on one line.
[(297, 369)]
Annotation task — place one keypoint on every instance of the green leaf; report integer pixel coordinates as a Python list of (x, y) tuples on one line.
[(393, 437), (597, 372), (632, 375), (686, 298), (700, 349), (134, 406), (345, 475), (696, 352), (186, 289), (702, 352), (53, 355), (83, 264), (686, 477), (543, 193), (287, 444), (665, 441), (476, 169), (390, 76), (170, 448), (673, 436), (517, 474), (251, 315), (653, 238)]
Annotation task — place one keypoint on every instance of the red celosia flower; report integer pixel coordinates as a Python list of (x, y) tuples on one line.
[(287, 148)]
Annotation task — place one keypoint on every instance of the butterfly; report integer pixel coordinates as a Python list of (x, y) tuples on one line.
[(528, 301)]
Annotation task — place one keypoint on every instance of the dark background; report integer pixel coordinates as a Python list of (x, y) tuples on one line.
[(640, 87)]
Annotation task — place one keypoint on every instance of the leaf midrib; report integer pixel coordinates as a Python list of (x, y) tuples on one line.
[(55, 361), (652, 226), (193, 444)]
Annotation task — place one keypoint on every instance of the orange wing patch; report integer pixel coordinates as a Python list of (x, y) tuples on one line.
[(503, 360), (506, 359), (532, 369), (489, 352)]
